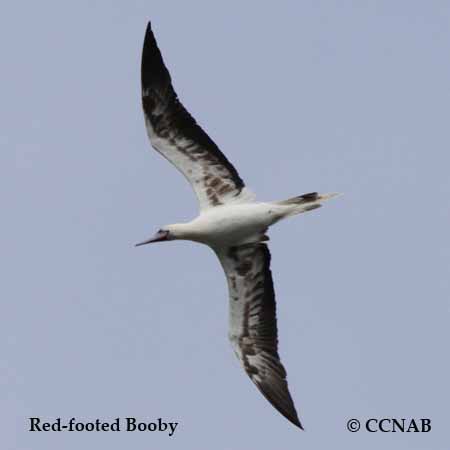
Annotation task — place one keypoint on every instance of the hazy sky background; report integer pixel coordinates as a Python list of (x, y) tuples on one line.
[(349, 96)]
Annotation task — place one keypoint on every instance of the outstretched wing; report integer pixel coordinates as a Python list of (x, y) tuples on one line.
[(176, 135), (253, 325)]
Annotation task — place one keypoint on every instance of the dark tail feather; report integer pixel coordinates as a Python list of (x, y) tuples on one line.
[(301, 199)]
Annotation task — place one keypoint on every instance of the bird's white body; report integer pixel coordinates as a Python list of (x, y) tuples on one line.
[(238, 223), (228, 224)]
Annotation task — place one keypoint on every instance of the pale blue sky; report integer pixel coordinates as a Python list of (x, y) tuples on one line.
[(349, 96)]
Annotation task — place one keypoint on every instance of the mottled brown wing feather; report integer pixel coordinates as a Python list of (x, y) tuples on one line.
[(253, 324), (176, 135)]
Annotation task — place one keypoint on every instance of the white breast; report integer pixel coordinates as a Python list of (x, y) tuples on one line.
[(233, 224)]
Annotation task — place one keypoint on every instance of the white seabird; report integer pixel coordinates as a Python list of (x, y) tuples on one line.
[(231, 222)]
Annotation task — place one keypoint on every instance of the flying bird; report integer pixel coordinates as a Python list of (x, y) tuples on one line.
[(230, 221)]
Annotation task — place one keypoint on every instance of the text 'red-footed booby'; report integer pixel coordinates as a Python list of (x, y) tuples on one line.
[(231, 222)]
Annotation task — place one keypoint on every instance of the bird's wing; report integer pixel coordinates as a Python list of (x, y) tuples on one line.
[(253, 324), (176, 135)]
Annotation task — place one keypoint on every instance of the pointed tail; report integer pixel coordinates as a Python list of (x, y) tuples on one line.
[(305, 202)]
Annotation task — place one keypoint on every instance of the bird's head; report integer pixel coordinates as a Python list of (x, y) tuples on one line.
[(164, 234)]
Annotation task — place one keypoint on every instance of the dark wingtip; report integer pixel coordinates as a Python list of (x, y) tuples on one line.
[(153, 70), (297, 423), (148, 31), (293, 418), (148, 34)]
